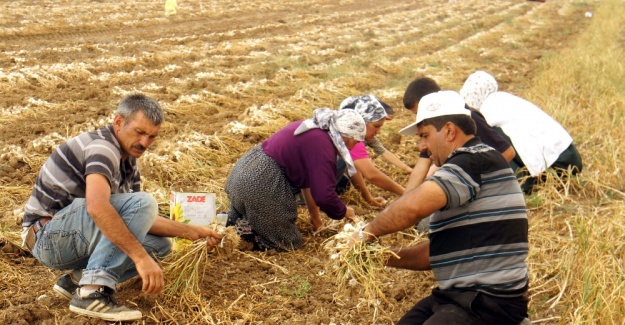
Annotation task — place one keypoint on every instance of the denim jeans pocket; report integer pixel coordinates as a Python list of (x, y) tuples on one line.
[(62, 250)]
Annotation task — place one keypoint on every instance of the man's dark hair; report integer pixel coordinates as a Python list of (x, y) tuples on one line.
[(463, 122), (417, 89), (131, 104)]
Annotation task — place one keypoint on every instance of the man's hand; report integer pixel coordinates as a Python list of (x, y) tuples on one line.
[(354, 239), (166, 227), (212, 237), (151, 275), (360, 235)]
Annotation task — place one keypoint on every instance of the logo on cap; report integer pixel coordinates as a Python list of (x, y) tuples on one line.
[(433, 107)]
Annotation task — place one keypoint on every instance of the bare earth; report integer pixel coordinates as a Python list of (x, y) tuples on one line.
[(228, 74)]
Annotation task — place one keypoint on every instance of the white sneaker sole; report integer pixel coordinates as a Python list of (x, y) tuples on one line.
[(112, 317), (62, 292)]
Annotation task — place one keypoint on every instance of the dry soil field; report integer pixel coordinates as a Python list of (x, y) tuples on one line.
[(228, 74)]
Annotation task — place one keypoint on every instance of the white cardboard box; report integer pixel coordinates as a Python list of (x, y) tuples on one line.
[(195, 208)]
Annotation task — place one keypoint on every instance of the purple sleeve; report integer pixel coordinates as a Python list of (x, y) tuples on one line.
[(320, 160)]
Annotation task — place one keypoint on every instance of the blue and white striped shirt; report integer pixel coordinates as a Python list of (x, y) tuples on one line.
[(479, 241), (63, 176)]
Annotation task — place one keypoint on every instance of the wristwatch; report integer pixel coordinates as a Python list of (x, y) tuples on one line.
[(363, 236)]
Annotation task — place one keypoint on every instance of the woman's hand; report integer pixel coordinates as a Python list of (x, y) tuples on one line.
[(316, 222), (378, 201), (349, 215)]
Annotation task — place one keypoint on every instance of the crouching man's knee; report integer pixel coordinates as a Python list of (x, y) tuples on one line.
[(157, 246), (138, 209)]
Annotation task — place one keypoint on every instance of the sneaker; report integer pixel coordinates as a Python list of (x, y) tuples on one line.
[(65, 286), (101, 304)]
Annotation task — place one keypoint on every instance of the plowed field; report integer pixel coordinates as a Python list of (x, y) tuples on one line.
[(228, 74)]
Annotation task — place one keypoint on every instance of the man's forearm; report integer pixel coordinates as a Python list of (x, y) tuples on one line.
[(509, 154), (164, 227), (415, 258), (408, 210), (115, 230), (395, 217)]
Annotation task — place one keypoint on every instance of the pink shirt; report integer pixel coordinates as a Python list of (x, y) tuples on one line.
[(359, 151)]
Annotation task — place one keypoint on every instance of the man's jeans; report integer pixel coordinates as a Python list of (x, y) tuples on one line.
[(72, 241)]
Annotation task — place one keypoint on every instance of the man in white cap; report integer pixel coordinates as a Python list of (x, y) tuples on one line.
[(478, 239)]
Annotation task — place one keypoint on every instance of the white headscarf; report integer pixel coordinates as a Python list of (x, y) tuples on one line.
[(368, 106), (345, 123), (477, 87)]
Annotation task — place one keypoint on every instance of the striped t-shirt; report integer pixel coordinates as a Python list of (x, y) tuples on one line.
[(479, 240), (63, 176)]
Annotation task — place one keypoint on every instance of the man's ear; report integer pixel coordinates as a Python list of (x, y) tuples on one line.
[(118, 122), (450, 131)]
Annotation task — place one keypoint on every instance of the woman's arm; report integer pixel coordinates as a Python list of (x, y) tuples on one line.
[(377, 177), (393, 159), (313, 209), (361, 186), (380, 150)]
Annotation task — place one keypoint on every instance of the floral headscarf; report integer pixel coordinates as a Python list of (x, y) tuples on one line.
[(368, 106), (477, 87), (345, 123)]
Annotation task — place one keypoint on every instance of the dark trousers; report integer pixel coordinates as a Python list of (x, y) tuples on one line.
[(569, 158), (448, 307), (342, 180)]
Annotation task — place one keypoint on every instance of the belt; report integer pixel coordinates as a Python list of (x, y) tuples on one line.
[(31, 235)]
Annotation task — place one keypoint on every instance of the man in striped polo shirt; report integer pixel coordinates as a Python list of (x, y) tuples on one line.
[(479, 233), (87, 214)]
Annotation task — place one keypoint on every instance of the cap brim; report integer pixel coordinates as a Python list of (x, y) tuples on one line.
[(409, 130)]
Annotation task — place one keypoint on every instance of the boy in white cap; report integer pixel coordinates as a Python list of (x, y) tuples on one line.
[(478, 233), (416, 90)]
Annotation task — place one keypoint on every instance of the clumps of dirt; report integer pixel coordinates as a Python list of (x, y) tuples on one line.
[(25, 314), (9, 248), (394, 138)]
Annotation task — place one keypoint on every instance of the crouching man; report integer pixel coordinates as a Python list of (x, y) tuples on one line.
[(478, 239), (87, 214)]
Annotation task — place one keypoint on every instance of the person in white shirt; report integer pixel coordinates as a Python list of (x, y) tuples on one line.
[(540, 141)]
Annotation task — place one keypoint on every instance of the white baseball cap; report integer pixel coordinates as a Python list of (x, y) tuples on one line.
[(441, 103)]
